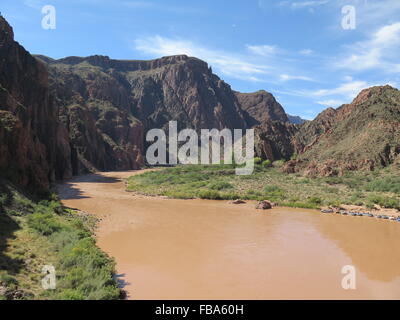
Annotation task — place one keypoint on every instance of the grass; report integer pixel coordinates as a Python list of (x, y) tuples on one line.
[(219, 182), (36, 234)]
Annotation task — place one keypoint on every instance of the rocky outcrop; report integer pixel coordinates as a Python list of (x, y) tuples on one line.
[(296, 119), (95, 108), (363, 135), (33, 145), (273, 132), (261, 108), (274, 140)]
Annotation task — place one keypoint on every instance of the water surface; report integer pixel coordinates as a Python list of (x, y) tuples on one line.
[(200, 249)]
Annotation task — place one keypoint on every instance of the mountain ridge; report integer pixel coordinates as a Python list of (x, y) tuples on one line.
[(96, 111)]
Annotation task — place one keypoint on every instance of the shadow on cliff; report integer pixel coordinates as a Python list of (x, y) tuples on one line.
[(8, 227), (69, 191)]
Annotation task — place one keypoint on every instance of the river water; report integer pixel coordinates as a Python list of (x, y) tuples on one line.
[(200, 249)]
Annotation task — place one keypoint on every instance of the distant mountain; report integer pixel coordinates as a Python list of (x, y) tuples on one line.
[(296, 119), (363, 135)]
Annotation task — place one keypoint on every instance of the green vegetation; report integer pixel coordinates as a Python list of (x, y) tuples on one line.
[(36, 234), (219, 182), (266, 163), (7, 120)]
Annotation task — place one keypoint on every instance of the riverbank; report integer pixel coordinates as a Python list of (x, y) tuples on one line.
[(377, 192), (37, 234)]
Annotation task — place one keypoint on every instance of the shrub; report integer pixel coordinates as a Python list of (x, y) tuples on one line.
[(14, 213), (272, 189), (383, 201), (44, 223), (178, 195), (315, 200), (230, 196), (87, 270), (209, 194), (279, 163), (387, 184), (220, 185), (267, 163), (71, 294), (297, 204), (7, 280), (274, 193), (257, 160), (3, 200)]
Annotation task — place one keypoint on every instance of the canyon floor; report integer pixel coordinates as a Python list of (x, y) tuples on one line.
[(204, 249)]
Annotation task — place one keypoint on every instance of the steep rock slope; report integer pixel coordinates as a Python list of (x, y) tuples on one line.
[(177, 88), (274, 140), (34, 148), (95, 108), (363, 135), (260, 108)]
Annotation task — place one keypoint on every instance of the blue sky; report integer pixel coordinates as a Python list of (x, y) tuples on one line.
[(296, 49)]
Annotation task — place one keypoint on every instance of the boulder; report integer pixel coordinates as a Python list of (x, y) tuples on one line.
[(264, 205), (237, 201)]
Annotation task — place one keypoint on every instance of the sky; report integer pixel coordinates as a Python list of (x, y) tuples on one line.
[(302, 51)]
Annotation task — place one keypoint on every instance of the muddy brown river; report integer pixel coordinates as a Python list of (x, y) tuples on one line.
[(199, 249)]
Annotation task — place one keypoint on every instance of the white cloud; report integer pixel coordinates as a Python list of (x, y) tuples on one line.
[(348, 89), (306, 52), (286, 77), (229, 64), (333, 103), (303, 4), (380, 51), (35, 4), (348, 78), (263, 50)]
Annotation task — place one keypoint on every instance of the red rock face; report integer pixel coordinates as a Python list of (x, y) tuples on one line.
[(261, 107), (109, 94), (29, 130), (363, 135)]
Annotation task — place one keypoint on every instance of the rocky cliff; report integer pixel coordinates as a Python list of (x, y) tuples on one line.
[(261, 108), (34, 147), (95, 108), (97, 89), (363, 135), (176, 88), (274, 140)]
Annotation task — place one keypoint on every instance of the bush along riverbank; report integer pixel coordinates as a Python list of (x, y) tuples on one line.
[(356, 191), (36, 234)]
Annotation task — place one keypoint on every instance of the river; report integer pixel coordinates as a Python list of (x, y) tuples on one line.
[(201, 249)]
